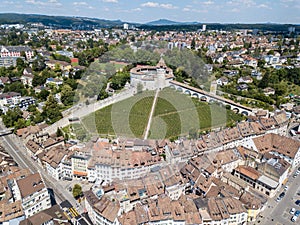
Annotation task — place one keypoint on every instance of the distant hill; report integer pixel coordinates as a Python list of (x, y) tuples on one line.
[(85, 23), (58, 21), (165, 22), (275, 28)]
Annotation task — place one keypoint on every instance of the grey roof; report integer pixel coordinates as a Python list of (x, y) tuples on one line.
[(268, 181), (9, 95), (201, 203), (18, 48)]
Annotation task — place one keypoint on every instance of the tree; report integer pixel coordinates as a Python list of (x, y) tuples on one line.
[(51, 110), (102, 95), (77, 191), (67, 95), (38, 80), (73, 84), (280, 89), (37, 117), (193, 44), (20, 64), (59, 132), (16, 87), (261, 63), (43, 95), (21, 123), (11, 116), (264, 81), (32, 108), (38, 64), (119, 80), (132, 38)]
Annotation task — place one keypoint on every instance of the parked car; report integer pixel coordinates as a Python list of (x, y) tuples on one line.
[(297, 213), (282, 194), (297, 202), (286, 187), (292, 211), (295, 175), (294, 218)]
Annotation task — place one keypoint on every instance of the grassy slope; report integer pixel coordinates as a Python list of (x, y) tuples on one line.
[(174, 114)]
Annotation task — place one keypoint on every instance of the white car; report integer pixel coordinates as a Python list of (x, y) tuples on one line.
[(294, 218), (292, 211), (286, 187)]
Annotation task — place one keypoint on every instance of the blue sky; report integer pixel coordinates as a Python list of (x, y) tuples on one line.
[(223, 11)]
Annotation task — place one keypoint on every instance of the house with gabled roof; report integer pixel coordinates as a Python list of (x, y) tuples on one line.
[(33, 193)]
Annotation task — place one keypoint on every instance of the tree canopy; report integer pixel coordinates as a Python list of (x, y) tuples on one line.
[(51, 110)]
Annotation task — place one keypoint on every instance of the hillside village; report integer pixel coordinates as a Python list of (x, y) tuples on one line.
[(56, 59)]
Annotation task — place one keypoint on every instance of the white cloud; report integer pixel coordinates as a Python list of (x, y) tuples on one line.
[(150, 4), (83, 4), (208, 2), (190, 9), (264, 6), (247, 3), (235, 10), (136, 9), (44, 3), (158, 5), (129, 10), (80, 3), (111, 1), (290, 3), (168, 6)]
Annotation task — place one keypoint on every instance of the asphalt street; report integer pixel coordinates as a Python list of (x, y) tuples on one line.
[(278, 212), (15, 147)]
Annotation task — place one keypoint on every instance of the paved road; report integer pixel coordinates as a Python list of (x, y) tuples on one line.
[(278, 212), (17, 150)]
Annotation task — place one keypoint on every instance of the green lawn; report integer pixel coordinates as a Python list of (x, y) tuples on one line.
[(116, 65), (175, 114), (126, 118), (76, 130)]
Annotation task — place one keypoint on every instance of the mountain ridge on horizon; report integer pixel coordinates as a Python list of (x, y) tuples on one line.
[(80, 22), (164, 22)]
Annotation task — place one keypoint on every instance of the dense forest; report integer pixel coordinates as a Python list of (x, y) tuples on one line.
[(58, 21)]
